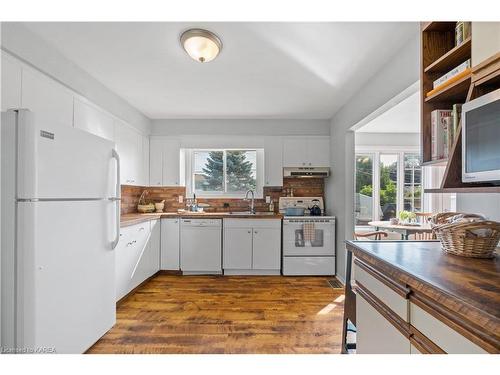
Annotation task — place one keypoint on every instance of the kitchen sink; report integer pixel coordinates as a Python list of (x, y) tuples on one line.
[(248, 213)]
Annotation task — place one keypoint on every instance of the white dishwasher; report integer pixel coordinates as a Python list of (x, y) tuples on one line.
[(201, 246)]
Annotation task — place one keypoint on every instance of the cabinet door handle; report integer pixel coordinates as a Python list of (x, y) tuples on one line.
[(249, 231), (141, 228), (256, 232)]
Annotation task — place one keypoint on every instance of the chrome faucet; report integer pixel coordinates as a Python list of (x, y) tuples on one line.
[(252, 207)]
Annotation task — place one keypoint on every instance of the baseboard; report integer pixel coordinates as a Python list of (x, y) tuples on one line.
[(252, 272), (169, 272)]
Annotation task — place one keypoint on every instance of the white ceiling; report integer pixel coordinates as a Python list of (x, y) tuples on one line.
[(404, 117), (265, 70)]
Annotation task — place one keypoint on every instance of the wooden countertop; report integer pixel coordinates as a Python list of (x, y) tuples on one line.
[(136, 218), (463, 291)]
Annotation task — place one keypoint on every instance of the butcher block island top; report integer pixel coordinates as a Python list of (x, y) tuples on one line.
[(464, 293), (136, 218)]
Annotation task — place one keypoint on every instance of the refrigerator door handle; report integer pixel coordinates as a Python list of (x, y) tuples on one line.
[(117, 199)]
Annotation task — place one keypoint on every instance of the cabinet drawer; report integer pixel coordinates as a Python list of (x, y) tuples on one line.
[(442, 335), (395, 297), (375, 334), (308, 266), (252, 223)]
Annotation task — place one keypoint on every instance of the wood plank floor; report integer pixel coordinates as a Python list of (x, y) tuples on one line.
[(230, 314)]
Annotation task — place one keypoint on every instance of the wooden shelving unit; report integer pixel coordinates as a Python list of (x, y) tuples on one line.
[(435, 162), (438, 56), (452, 58), (456, 92)]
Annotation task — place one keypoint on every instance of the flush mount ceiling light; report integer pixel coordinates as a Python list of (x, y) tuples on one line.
[(201, 45)]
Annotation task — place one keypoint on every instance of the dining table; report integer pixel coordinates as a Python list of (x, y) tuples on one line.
[(404, 229)]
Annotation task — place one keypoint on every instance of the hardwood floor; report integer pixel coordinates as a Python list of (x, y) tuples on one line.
[(230, 314)]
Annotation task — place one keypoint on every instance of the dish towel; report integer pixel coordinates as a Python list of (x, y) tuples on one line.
[(309, 232)]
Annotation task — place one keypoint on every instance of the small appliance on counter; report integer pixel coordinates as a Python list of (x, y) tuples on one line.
[(308, 237)]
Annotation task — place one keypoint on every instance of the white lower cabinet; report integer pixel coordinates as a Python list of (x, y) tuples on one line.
[(170, 245), (137, 255), (252, 246), (375, 334), (238, 248)]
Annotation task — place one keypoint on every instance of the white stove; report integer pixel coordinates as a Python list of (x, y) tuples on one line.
[(308, 241)]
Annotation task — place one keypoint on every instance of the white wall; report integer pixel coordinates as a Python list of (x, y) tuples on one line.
[(240, 127), (485, 40), (400, 72), (410, 140), (485, 204), (28, 47)]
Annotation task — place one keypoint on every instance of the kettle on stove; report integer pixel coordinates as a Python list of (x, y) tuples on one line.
[(315, 210)]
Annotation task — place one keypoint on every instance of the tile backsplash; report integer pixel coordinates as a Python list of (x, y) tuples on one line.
[(307, 187)]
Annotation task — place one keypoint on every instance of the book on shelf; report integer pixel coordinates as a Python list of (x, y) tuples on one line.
[(456, 114), (462, 32), (440, 124), (450, 81), (452, 73)]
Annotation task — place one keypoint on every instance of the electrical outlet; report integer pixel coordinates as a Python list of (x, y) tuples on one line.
[(181, 198), (268, 199)]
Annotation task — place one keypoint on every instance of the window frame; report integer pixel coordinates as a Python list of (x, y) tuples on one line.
[(374, 152), (190, 172)]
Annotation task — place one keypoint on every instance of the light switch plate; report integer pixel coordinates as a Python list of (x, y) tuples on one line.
[(181, 198), (268, 199)]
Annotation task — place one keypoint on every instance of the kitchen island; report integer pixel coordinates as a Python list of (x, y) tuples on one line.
[(411, 297)]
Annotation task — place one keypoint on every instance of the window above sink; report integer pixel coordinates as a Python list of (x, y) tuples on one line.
[(224, 173)]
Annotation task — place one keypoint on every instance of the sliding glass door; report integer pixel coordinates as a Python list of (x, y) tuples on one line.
[(364, 189), (385, 184), (388, 186)]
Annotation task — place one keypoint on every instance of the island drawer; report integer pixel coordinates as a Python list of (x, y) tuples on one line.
[(393, 295), (441, 334)]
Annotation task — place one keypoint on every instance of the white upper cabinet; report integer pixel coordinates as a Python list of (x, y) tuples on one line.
[(318, 151), (145, 161), (294, 152), (273, 160), (171, 162), (306, 151), (11, 84), (50, 102), (91, 119), (129, 145), (164, 159), (155, 162)]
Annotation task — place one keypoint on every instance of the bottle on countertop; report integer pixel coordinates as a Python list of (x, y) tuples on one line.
[(271, 206)]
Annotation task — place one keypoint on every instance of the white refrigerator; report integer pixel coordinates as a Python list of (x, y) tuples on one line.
[(60, 224)]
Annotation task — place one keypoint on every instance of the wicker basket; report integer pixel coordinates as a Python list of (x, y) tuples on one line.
[(442, 218), (461, 238), (146, 208)]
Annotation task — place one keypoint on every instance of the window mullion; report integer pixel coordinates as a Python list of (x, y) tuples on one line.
[(224, 169)]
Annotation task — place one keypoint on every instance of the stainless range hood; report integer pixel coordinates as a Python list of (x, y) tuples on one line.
[(306, 172)]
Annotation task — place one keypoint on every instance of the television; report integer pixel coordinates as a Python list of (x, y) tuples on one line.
[(481, 139)]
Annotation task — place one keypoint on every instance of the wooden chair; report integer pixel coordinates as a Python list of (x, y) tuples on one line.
[(424, 236), (376, 235), (423, 216)]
